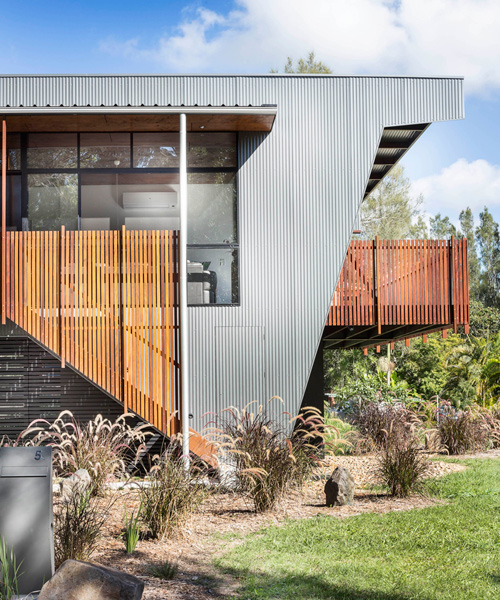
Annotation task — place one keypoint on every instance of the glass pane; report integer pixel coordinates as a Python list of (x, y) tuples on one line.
[(52, 151), (105, 150), (212, 208), (156, 150), (13, 152), (13, 202), (136, 200), (212, 276), (211, 150), (53, 201)]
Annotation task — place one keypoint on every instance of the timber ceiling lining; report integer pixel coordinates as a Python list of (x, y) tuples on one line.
[(394, 143), (138, 122)]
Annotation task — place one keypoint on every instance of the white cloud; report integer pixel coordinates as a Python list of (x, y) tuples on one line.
[(475, 184), (417, 37)]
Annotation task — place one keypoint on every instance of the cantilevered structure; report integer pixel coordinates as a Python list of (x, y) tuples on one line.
[(276, 168)]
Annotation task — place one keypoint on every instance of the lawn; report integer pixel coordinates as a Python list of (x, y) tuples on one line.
[(447, 551)]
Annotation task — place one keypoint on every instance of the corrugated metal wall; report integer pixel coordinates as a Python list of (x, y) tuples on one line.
[(300, 188)]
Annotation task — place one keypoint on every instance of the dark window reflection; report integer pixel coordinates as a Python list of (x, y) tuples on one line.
[(52, 151), (156, 150), (105, 150), (13, 202), (13, 152), (211, 150)]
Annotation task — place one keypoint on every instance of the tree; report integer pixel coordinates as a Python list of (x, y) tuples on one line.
[(488, 240), (390, 211), (467, 231), (307, 65), (441, 227)]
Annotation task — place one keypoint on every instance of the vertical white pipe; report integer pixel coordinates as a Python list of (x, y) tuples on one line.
[(183, 290)]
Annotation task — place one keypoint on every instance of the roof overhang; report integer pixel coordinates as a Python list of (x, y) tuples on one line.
[(393, 145), (139, 118)]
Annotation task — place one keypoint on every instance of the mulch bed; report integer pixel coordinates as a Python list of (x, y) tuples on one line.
[(200, 540)]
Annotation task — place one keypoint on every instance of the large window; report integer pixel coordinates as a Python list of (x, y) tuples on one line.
[(102, 181), (213, 243)]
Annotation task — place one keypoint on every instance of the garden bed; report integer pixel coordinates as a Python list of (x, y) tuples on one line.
[(222, 516)]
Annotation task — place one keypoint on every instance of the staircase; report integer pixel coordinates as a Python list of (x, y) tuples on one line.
[(107, 304)]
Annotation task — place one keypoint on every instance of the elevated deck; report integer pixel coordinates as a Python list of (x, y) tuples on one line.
[(390, 290)]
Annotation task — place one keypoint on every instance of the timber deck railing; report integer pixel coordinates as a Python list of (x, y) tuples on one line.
[(107, 303), (403, 282)]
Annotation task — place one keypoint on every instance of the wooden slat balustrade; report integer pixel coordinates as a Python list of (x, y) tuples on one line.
[(107, 303), (406, 285)]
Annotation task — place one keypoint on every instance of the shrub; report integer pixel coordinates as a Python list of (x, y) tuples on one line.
[(78, 521), (401, 465), (174, 492), (101, 447), (132, 530), (379, 420), (491, 418), (164, 570), (463, 431), (268, 460), (9, 572)]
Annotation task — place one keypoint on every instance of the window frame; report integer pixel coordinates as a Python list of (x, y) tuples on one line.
[(24, 171)]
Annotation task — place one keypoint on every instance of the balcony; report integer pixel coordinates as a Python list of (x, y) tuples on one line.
[(390, 290)]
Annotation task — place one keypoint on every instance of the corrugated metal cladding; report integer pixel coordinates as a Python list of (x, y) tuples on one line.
[(300, 189)]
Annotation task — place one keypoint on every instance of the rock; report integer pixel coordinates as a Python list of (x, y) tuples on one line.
[(77, 580), (339, 489), (80, 482)]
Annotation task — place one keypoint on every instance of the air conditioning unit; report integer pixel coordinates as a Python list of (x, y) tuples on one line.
[(165, 200)]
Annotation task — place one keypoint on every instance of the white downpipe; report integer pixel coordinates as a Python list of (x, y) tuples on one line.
[(183, 290)]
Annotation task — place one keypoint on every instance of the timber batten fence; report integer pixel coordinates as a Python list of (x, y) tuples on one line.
[(107, 303)]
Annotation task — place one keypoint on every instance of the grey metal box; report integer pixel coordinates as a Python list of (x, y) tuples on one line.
[(26, 522)]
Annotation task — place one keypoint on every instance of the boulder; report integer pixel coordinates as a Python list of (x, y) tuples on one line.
[(77, 580), (78, 483), (339, 489)]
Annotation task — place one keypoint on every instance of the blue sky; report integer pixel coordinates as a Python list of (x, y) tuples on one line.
[(453, 165)]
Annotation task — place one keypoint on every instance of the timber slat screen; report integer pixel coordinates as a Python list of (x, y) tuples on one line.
[(402, 282), (107, 303)]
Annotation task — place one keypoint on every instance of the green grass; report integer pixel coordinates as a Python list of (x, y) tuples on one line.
[(449, 551)]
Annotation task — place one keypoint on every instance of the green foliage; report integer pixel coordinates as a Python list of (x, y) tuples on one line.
[(132, 530), (484, 320), (488, 241), (448, 550), (385, 424), (463, 431), (306, 65), (268, 461), (467, 231), (390, 211), (79, 518), (102, 447), (9, 572), (441, 228), (402, 466), (477, 362), (173, 493), (165, 570)]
